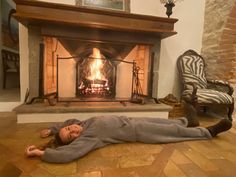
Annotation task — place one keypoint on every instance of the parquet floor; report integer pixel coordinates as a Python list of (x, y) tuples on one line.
[(206, 158)]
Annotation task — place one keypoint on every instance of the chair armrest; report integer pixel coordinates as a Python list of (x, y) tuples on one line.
[(220, 85)]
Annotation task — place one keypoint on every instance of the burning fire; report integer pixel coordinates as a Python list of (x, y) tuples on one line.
[(96, 82), (96, 66)]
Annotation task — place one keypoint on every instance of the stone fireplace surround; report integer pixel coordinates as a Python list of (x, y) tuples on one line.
[(90, 25)]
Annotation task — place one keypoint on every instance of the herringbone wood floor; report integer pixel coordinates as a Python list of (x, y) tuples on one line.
[(208, 158)]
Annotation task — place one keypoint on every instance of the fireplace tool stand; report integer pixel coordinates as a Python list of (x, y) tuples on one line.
[(137, 92), (49, 97)]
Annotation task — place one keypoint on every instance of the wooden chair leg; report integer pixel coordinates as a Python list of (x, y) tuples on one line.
[(205, 109), (230, 111)]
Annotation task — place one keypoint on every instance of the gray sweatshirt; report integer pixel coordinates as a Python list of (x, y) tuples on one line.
[(101, 131), (97, 132)]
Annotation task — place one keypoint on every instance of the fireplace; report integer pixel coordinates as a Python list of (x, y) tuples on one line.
[(91, 55)]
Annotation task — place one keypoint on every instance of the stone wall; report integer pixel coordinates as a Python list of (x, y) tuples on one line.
[(219, 40)]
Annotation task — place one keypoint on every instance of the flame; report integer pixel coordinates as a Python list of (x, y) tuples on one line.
[(96, 66), (98, 83)]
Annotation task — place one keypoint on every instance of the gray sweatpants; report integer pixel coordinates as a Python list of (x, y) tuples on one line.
[(154, 130)]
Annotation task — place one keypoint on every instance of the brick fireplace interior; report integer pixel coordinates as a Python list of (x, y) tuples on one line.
[(96, 71)]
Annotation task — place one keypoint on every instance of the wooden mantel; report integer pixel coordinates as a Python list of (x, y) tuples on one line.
[(43, 14)]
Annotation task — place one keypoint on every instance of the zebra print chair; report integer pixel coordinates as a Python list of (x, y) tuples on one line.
[(199, 91)]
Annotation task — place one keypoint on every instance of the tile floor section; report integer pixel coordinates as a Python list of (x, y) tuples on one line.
[(215, 157)]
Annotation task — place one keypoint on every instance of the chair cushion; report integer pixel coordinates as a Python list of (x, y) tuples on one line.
[(209, 96)]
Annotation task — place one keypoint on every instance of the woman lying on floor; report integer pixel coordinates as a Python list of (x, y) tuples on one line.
[(74, 139)]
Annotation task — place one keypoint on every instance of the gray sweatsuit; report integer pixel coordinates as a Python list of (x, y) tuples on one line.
[(101, 131)]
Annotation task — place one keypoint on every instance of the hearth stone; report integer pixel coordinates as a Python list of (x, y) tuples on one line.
[(41, 112)]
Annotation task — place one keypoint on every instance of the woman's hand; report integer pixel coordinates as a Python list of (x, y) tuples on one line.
[(45, 133), (33, 151)]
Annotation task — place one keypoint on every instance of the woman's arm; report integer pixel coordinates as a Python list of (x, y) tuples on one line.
[(73, 151), (33, 151)]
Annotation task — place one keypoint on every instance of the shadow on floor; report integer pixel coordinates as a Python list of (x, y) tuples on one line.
[(10, 170)]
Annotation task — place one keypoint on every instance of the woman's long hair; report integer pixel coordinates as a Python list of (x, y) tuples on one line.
[(53, 143)]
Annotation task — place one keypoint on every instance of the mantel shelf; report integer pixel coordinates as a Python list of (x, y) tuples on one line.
[(43, 14)]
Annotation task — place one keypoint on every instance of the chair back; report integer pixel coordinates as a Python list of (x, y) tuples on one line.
[(10, 61), (191, 67)]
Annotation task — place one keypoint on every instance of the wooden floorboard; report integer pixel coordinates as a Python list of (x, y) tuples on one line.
[(203, 158)]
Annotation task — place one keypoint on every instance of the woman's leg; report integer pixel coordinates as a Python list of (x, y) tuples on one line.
[(149, 132), (191, 119), (180, 121)]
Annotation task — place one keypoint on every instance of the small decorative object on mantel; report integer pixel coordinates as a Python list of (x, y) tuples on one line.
[(169, 4), (117, 5)]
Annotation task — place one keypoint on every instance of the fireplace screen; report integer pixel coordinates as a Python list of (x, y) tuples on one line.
[(95, 76)]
